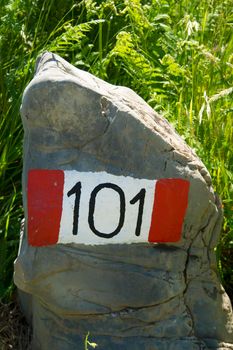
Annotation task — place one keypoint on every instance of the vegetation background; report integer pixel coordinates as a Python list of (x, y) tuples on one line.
[(176, 54)]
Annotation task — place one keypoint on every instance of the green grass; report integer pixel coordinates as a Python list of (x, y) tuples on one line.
[(177, 55)]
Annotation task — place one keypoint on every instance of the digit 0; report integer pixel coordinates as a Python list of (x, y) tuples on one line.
[(92, 204)]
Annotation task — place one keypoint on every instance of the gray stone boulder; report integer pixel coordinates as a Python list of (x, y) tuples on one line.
[(128, 291)]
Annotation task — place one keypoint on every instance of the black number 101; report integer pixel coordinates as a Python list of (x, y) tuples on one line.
[(77, 190)]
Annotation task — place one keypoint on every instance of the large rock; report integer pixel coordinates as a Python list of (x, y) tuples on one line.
[(162, 294)]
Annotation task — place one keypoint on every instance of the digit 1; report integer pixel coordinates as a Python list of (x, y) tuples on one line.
[(77, 191), (140, 196)]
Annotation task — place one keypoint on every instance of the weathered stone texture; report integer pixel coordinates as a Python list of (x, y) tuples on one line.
[(138, 296)]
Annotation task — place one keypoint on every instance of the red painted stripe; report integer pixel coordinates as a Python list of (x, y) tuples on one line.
[(44, 200), (170, 204)]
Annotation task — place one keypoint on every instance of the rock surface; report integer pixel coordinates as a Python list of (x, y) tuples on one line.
[(128, 296)]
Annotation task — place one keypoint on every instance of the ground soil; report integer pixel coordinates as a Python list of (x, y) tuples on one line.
[(15, 333)]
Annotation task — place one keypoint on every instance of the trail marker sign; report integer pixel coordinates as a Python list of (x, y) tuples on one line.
[(101, 208)]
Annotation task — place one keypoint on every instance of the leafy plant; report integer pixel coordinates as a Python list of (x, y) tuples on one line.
[(176, 54), (87, 343)]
